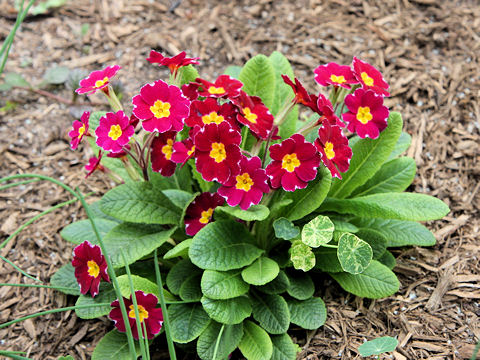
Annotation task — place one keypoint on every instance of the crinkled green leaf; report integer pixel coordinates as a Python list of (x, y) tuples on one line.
[(301, 286), (258, 78), (221, 285), (375, 239), (388, 260), (255, 343), (179, 273), (180, 250), (262, 271), (65, 277), (326, 259), (309, 314), (82, 230), (271, 312), (277, 285), (187, 74), (231, 336), (229, 311), (344, 226), (283, 347), (255, 212), (187, 321), (353, 253), (403, 143), (302, 256), (378, 346), (284, 229), (190, 289), (318, 231), (106, 295), (139, 284), (114, 346)]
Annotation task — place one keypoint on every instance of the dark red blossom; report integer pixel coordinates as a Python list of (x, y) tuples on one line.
[(254, 114), (162, 107), (162, 150), (294, 163), (97, 80), (90, 267), (200, 211), (333, 148), (190, 91), (94, 164), (370, 77), (367, 115), (183, 150), (147, 312), (335, 74), (247, 188), (301, 94), (173, 63), (79, 130), (225, 86), (326, 112), (114, 131), (217, 152), (209, 111)]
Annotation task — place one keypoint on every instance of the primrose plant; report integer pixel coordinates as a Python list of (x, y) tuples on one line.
[(241, 201)]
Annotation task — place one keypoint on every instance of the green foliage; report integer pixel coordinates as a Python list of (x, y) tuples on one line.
[(277, 286), (190, 289), (258, 78), (283, 348), (403, 143), (106, 295), (353, 253), (187, 74), (114, 346), (12, 79), (187, 321), (229, 340), (179, 273), (233, 71), (180, 250), (68, 357), (82, 230), (285, 229), (56, 75), (388, 260), (310, 314), (255, 212), (65, 277), (378, 346), (326, 259), (318, 231), (302, 256), (375, 239), (271, 312), (222, 285), (139, 283), (229, 311), (300, 286), (262, 271), (255, 343)]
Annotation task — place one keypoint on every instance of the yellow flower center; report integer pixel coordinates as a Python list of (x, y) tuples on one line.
[(206, 216), (329, 150), (216, 90), (366, 79), (364, 115), (252, 117), (160, 109), (93, 268), (244, 182), (100, 83), (142, 312), (213, 117), (191, 151), (81, 130), (338, 79), (115, 132), (290, 162), (167, 149), (218, 152)]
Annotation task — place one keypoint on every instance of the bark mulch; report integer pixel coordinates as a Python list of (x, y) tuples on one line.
[(428, 50)]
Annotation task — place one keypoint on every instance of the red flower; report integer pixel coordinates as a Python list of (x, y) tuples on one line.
[(200, 211), (162, 107), (248, 187), (333, 148), (254, 114), (294, 163), (120, 155), (190, 90), (183, 150), (325, 109), (147, 312), (301, 94), (224, 86), (334, 74), (90, 267), (173, 63), (97, 80), (369, 77), (217, 152), (114, 131), (94, 164), (80, 129), (162, 150), (209, 111), (367, 116)]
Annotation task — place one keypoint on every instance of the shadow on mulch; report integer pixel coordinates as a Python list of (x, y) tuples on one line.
[(428, 50)]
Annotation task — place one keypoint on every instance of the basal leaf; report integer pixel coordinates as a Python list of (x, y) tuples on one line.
[(14, 79), (221, 285), (271, 312), (344, 226), (56, 75), (318, 231), (139, 283), (403, 143), (114, 346), (82, 230), (302, 256), (187, 321), (301, 286), (388, 260), (187, 74), (180, 250), (255, 343), (262, 271), (229, 311), (258, 78), (353, 253), (378, 346), (65, 277), (190, 289), (233, 71), (277, 285), (255, 212), (106, 295), (375, 239), (283, 347), (180, 272), (326, 259), (309, 314), (284, 229), (231, 337)]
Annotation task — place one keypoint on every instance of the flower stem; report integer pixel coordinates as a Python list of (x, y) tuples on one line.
[(217, 344)]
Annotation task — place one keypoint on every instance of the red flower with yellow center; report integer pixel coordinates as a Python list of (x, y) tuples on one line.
[(90, 267), (301, 94), (367, 115), (217, 152), (173, 63), (190, 90), (247, 188), (94, 164), (369, 77), (148, 313), (162, 107), (97, 80), (325, 110), (294, 163), (333, 148), (200, 211), (114, 131), (254, 114), (183, 151), (225, 86), (209, 111), (80, 129), (335, 74), (162, 151)]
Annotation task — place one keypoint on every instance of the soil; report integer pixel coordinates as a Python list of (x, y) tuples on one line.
[(428, 50)]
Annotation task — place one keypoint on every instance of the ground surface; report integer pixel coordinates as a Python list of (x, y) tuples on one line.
[(428, 50)]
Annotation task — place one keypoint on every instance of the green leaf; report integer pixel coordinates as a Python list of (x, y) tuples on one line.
[(231, 336), (302, 256), (388, 260), (97, 213), (14, 79), (220, 285), (255, 212), (344, 226), (378, 346), (301, 286), (180, 272), (262, 271), (233, 71), (139, 202), (68, 357), (326, 260), (309, 314), (179, 198), (271, 312), (277, 285), (309, 199), (283, 348), (180, 250), (394, 176), (56, 75), (106, 295), (136, 240), (403, 143), (399, 206), (223, 245), (399, 233), (190, 289), (82, 230), (368, 157), (354, 253), (377, 281), (229, 311), (258, 78), (139, 283), (284, 229), (187, 74), (318, 231), (65, 277), (114, 346), (375, 239), (255, 343), (187, 321)]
